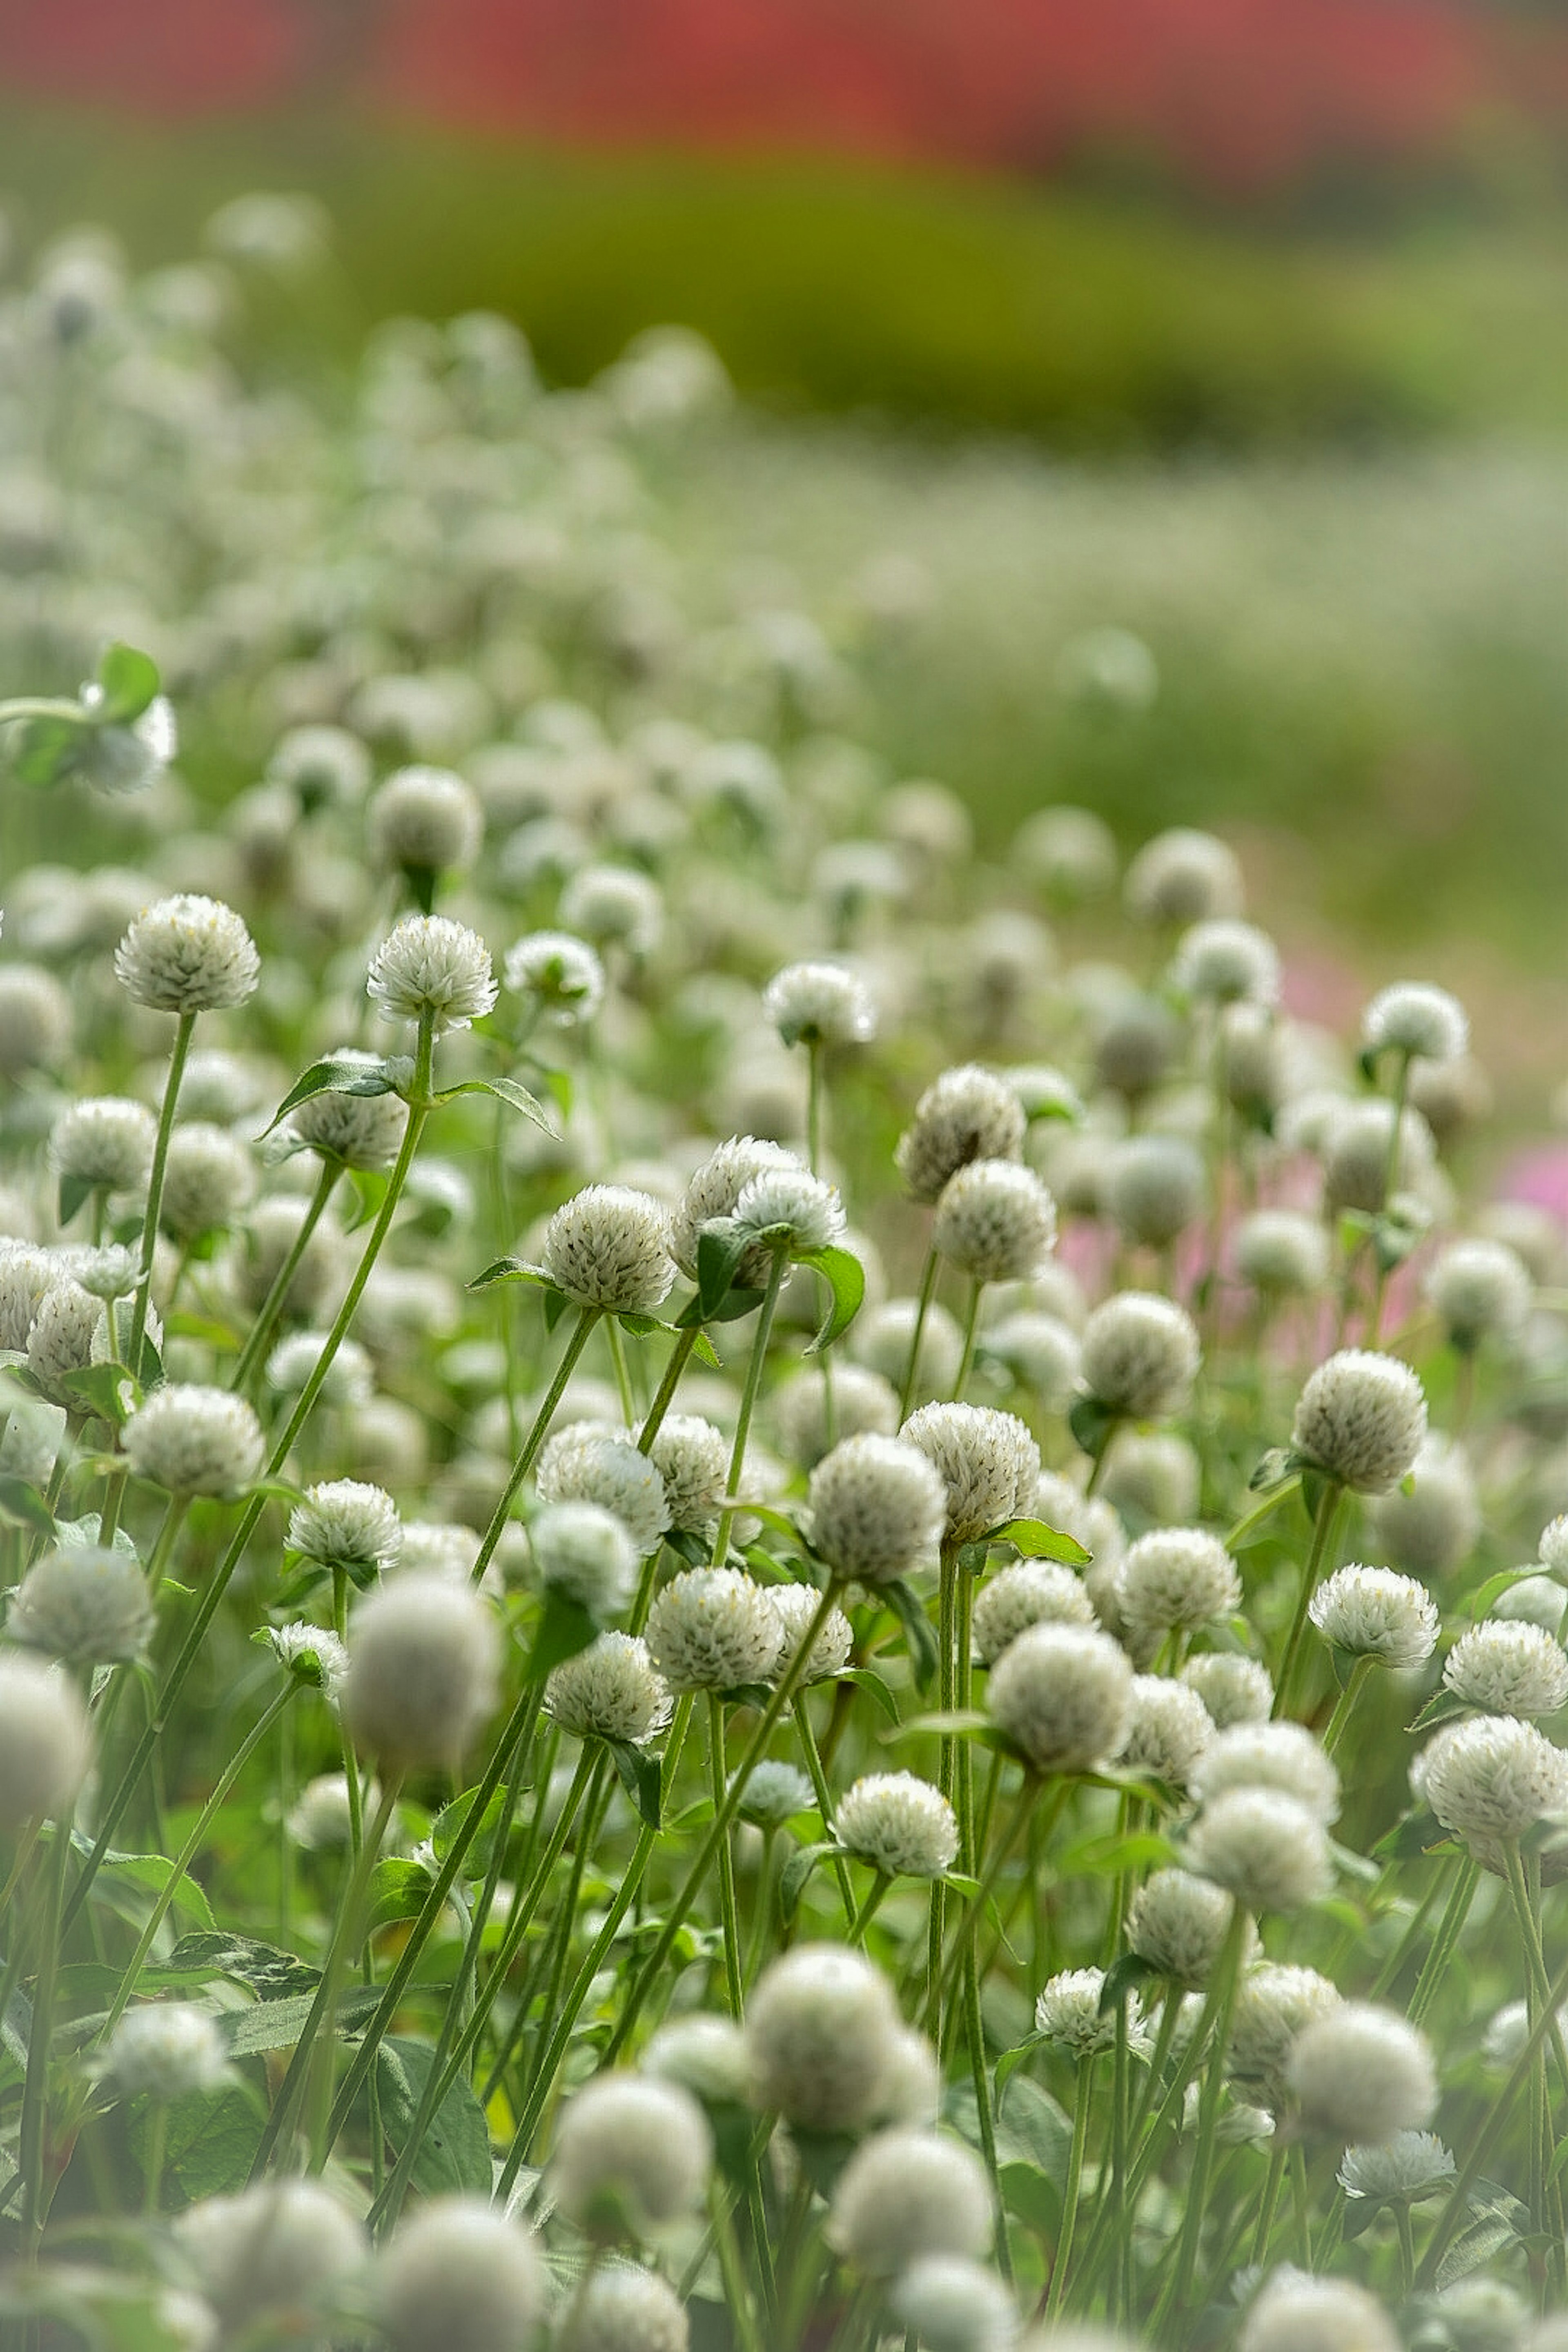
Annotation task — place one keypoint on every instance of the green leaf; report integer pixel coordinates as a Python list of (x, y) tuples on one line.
[(1479, 1603), (1479, 2243), (641, 1326), (397, 1891), (846, 1280), (511, 1269), (271, 1973), (73, 1191), (1010, 2060), (455, 2147), (798, 1869), (1441, 1707), (950, 1723), (453, 1818), (906, 1608), (334, 1078), (641, 1776), (278, 2024), (718, 1252), (153, 1871), (564, 1628), (101, 1390), (734, 1304), (1092, 1424), (555, 1305), (867, 1678), (129, 683), (506, 1090), (1275, 1469), (22, 1506), (1107, 1855), (1124, 1976), (46, 750), (1035, 1540), (210, 2139)]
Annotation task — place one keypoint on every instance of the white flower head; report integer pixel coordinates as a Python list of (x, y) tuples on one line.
[(820, 1003), (1508, 1668), (1295, 2313), (1361, 1419), (1221, 961), (1152, 1188), (584, 1463), (1399, 2171), (812, 1410), (560, 974), (361, 1130), (1234, 1689), (1273, 2003), (897, 1823), (1374, 1613), (1178, 1922), (784, 1207), (586, 1553), (310, 1654), (460, 2276), (187, 954), (1429, 1524), (1063, 1694), (1141, 1355), (1174, 1578), (1168, 1732), (430, 967), (989, 1463), (712, 1195), (83, 1605), (796, 1606), (774, 1793), (1482, 1289), (1415, 1019), (423, 1673), (270, 2253), (714, 1629), (995, 1221), (907, 2193), (346, 1523), (954, 2304), (611, 1690), (822, 2038), (45, 1743), (295, 1361), (878, 1507), (1263, 1847), (623, 2308), (1282, 1252), (608, 1248), (1362, 2072), (1183, 875), (194, 1441), (1030, 1592), (1069, 2013), (425, 820), (692, 1457), (1489, 1779), (613, 905), (968, 1113), (167, 2050), (105, 1141), (629, 2149)]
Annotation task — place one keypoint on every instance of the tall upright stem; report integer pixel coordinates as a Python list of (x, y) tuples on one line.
[(922, 1310), (1324, 1524), (765, 1314), (143, 1293), (586, 1318), (254, 1351)]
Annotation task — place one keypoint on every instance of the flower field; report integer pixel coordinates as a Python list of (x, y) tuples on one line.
[(785, 1553)]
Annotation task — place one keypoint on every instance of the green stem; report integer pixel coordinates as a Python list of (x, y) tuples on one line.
[(675, 1364), (1345, 1703), (1406, 2252), (813, 1765), (1390, 1179), (1264, 2228), (868, 1911), (922, 1310), (616, 1338), (586, 1318), (1071, 2194), (30, 2146), (729, 1919), (813, 1108), (765, 1314), (143, 1296), (1221, 2001), (1451, 1928), (971, 1323), (254, 1351), (1323, 1523)]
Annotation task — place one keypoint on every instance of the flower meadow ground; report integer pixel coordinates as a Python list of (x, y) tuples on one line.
[(764, 1589)]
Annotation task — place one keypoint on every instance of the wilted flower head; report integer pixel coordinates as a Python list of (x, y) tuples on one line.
[(1063, 1694), (714, 1629), (1507, 1669), (820, 1004), (1361, 1419), (1412, 1018), (989, 1463), (608, 1248), (83, 1605), (630, 2150), (422, 1671), (1141, 1355), (968, 1113), (431, 967), (995, 1221), (187, 954), (878, 1506), (1362, 2072), (897, 1823), (611, 1690), (906, 2193), (194, 1441), (1374, 1613)]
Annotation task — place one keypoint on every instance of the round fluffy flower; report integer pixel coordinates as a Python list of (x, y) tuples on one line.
[(1037, 1350), (989, 1463), (1374, 1613), (270, 2253), (1295, 2313), (194, 1441), (822, 2038), (561, 976), (1170, 1578), (789, 1207), (61, 1338), (1282, 1756), (585, 1552), (1063, 1694), (882, 1337), (613, 905), (361, 1130), (44, 1742), (1361, 1419), (460, 2277), (692, 1457), (953, 2304), (1141, 1355), (714, 1629), (429, 965), (630, 2148), (1507, 1669), (1482, 1289), (611, 1690), (1183, 875), (899, 1824), (1169, 1730), (859, 1401), (1431, 1529), (1155, 1476), (1356, 1150), (1397, 2170), (1030, 1592), (166, 2049), (704, 2054), (35, 1019), (1282, 1252), (293, 1363), (968, 1113), (623, 2308), (1225, 962), (1153, 1189), (774, 1793), (1262, 1847), (27, 1274), (586, 1464), (1410, 1017), (1362, 2072), (208, 1178), (187, 954), (310, 1654), (1273, 2003), (797, 1605), (712, 1195), (878, 1506), (820, 1004), (84, 1606), (345, 1523), (425, 820), (1069, 2013), (1489, 1779), (905, 2193), (105, 1142), (1177, 1923), (995, 1221), (422, 1671), (1234, 1689), (1554, 1545), (1535, 1599), (608, 1248)]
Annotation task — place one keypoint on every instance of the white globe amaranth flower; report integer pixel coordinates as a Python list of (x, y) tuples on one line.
[(1481, 1290), (83, 1605), (364, 1132), (1141, 1355), (423, 1671), (1154, 1476), (324, 765), (1534, 1600), (953, 2304), (906, 2194), (166, 2050), (460, 2276), (967, 1113), (711, 1195), (912, 2089), (1030, 1592), (1063, 1695), (878, 1506), (899, 1823), (1487, 2315), (293, 1363), (1489, 1780), (1361, 1419), (1362, 2072), (320, 1821), (608, 1248), (820, 1003), (1356, 1148), (430, 968), (1295, 2313), (1069, 2013), (1431, 1529), (1168, 1732), (881, 1336), (630, 2150), (560, 976), (774, 1793), (271, 2252), (1153, 1189), (35, 1019), (995, 1221), (858, 1400), (425, 820), (346, 1523), (704, 2054), (789, 1209), (105, 1142), (60, 1338), (1173, 1579), (1178, 1922), (311, 1654), (796, 1606), (1412, 1018), (45, 1742), (187, 954), (208, 1178), (1399, 2171), (584, 1551), (1263, 1847), (26, 1277), (1509, 2030), (438, 1548), (613, 905), (1374, 1613), (714, 1629), (1234, 1689), (611, 1690), (1282, 1756), (1274, 2003), (1552, 1547), (623, 2309), (1071, 852), (1223, 961), (822, 2038), (1037, 1350), (988, 1461), (692, 1457), (194, 1441), (1183, 875), (1282, 1252), (1505, 1668), (586, 1464)]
